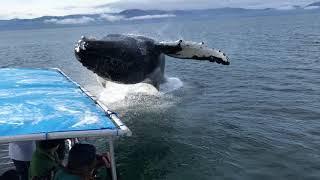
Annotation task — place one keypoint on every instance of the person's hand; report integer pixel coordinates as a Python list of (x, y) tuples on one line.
[(106, 161), (103, 160)]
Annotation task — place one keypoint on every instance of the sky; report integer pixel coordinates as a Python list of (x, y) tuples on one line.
[(37, 8)]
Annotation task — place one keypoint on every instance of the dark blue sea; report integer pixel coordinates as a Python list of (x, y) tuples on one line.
[(258, 118)]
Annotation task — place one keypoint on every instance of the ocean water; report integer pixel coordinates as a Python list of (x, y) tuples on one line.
[(258, 118)]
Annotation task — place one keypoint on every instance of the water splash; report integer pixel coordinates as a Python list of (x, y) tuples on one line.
[(115, 92), (141, 96), (171, 84)]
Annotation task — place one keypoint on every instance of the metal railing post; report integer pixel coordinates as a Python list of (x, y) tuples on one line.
[(113, 164)]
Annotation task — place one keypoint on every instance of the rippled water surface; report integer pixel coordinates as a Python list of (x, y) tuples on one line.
[(257, 118)]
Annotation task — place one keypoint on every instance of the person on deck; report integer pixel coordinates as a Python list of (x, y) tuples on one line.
[(45, 160), (21, 153), (85, 164)]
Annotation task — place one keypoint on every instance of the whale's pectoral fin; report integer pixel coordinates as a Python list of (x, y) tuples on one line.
[(191, 50)]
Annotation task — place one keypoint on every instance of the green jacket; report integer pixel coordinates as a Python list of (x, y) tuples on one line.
[(43, 165)]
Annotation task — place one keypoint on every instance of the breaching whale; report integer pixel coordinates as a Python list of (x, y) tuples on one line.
[(131, 59)]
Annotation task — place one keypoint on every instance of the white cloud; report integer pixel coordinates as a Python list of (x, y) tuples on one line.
[(151, 17), (312, 7), (285, 7), (111, 18), (114, 18), (106, 17), (82, 20)]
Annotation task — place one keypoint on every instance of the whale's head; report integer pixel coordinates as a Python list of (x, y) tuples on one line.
[(87, 52), (117, 58)]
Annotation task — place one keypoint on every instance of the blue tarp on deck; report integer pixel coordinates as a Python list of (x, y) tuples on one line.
[(36, 101)]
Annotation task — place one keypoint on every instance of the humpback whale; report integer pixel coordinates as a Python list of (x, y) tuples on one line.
[(131, 59)]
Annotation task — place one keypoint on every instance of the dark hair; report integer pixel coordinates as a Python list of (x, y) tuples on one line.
[(82, 156), (10, 174), (49, 144)]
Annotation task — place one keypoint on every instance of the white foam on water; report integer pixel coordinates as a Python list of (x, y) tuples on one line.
[(115, 92), (141, 95)]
